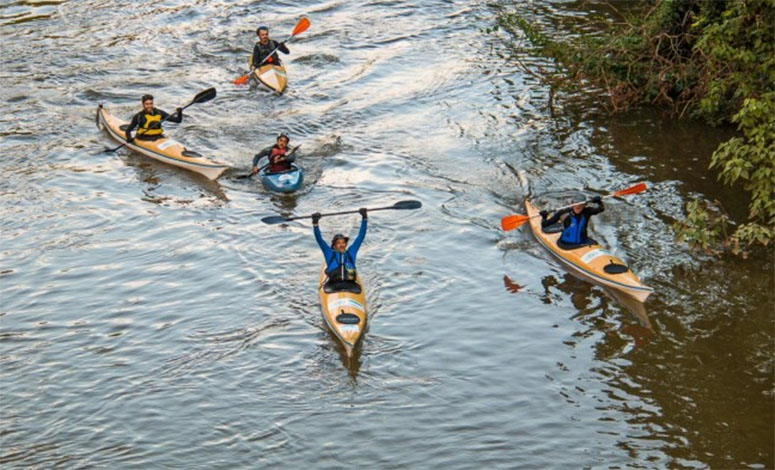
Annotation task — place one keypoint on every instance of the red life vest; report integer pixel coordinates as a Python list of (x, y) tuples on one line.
[(280, 166)]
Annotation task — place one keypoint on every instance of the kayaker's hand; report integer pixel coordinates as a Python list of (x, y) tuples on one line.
[(315, 218), (130, 140), (544, 214), (254, 170), (364, 213), (597, 199), (179, 111)]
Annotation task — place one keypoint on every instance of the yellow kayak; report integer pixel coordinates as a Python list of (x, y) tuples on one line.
[(272, 76), (344, 310), (165, 150), (591, 261)]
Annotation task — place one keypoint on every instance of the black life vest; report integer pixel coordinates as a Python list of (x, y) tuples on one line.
[(263, 51)]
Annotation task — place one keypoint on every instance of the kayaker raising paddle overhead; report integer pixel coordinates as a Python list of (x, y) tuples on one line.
[(340, 260), (148, 121), (575, 220), (280, 158), (264, 47)]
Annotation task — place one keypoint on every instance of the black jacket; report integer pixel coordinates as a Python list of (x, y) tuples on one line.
[(260, 51)]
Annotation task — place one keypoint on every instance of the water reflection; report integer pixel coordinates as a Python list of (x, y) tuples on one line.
[(587, 299), (351, 363)]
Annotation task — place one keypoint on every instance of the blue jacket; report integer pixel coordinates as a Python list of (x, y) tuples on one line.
[(346, 260)]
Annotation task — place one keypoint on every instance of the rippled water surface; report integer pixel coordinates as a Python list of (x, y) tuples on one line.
[(148, 319)]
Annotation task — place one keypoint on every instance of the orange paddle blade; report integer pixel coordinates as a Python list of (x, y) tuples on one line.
[(301, 26), (635, 189), (242, 80), (510, 222)]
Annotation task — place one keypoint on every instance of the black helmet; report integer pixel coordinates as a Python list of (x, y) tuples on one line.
[(339, 236), (262, 27), (146, 98)]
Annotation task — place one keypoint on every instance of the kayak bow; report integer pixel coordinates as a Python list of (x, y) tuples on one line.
[(344, 311), (286, 181), (272, 76)]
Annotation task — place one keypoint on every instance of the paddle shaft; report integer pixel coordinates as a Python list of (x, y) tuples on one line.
[(355, 211), (510, 222), (401, 205), (631, 190)]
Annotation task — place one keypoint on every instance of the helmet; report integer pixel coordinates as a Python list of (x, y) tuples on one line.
[(146, 98), (283, 134), (262, 28), (339, 236), (578, 197)]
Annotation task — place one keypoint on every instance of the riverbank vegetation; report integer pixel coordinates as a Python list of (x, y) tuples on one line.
[(698, 59)]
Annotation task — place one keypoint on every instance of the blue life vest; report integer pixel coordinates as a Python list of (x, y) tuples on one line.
[(340, 267), (573, 233)]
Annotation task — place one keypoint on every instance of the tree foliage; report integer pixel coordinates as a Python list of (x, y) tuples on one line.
[(713, 60)]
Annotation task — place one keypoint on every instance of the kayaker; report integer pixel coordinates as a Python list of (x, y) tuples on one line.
[(279, 157), (148, 121), (263, 47), (340, 260), (575, 221)]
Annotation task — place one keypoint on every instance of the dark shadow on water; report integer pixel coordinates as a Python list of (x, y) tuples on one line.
[(352, 364), (151, 172), (584, 296)]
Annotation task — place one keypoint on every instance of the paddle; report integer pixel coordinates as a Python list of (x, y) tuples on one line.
[(293, 150), (510, 222), (301, 26), (401, 205), (201, 97)]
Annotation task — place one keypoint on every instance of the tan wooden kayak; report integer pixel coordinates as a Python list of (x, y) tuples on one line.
[(592, 261), (344, 311), (165, 150), (272, 76)]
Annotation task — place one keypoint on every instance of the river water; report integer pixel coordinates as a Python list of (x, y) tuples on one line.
[(148, 319)]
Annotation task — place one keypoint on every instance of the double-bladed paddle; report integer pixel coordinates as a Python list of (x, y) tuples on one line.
[(239, 177), (301, 26), (201, 97), (510, 222), (401, 205)]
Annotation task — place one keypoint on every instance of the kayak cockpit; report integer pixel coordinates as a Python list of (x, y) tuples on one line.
[(352, 287)]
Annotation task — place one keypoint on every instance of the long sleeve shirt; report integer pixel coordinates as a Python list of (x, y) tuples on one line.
[(336, 260)]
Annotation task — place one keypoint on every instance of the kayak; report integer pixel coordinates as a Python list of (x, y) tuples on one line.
[(591, 261), (344, 310), (286, 181), (272, 76), (165, 149)]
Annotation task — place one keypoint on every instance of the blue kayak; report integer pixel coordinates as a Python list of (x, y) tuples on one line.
[(286, 181)]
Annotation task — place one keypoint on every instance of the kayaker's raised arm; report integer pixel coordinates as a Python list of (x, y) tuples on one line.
[(356, 245), (327, 251)]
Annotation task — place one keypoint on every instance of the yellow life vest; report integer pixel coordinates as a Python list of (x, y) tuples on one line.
[(152, 125)]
